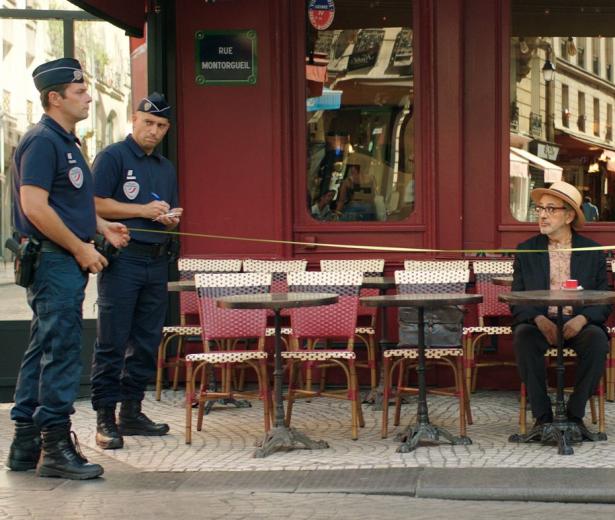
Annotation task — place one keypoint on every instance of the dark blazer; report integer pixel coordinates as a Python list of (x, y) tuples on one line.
[(532, 272)]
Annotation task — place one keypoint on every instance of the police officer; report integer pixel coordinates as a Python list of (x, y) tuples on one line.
[(134, 185), (54, 207)]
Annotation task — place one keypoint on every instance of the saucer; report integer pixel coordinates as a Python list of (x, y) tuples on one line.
[(578, 288)]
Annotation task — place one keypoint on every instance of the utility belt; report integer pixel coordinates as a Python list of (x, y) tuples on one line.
[(147, 250)]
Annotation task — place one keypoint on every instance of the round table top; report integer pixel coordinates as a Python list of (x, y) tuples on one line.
[(276, 301), (502, 280), (420, 300), (560, 297), (378, 282)]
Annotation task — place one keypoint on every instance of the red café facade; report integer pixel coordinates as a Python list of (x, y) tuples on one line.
[(425, 113)]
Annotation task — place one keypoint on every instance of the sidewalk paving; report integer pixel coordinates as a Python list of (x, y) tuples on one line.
[(220, 458)]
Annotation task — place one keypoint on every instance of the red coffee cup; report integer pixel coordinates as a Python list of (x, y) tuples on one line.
[(570, 284)]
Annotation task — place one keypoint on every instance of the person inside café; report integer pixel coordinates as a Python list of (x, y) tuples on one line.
[(560, 216), (356, 195)]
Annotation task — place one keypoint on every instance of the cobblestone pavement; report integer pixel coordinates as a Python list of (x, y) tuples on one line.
[(229, 435)]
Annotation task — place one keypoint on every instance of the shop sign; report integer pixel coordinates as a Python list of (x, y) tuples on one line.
[(321, 13), (226, 57), (548, 151)]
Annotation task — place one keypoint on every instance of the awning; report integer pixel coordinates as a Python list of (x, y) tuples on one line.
[(129, 16), (552, 172), (518, 165)]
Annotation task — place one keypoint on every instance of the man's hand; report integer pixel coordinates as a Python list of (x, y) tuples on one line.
[(89, 259), (548, 329), (574, 325), (171, 221), (115, 233), (155, 209)]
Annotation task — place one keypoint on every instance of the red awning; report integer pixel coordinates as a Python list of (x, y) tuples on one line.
[(129, 16)]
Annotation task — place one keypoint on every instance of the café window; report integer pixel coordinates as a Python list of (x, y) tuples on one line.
[(561, 128), (360, 110)]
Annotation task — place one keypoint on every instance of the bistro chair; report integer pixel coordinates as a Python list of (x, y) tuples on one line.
[(327, 322), (366, 324), (224, 327), (425, 282), (188, 314), (436, 265), (490, 312)]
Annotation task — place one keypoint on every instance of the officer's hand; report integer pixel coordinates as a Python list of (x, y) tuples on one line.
[(548, 329), (573, 326), (89, 259), (155, 209), (171, 219), (116, 234)]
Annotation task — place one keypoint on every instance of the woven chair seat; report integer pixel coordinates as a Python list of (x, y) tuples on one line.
[(365, 330), (430, 353), (318, 355), (568, 352), (286, 331), (182, 330), (231, 356), (487, 330)]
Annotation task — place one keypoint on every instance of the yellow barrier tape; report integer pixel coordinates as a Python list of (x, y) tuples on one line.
[(366, 247)]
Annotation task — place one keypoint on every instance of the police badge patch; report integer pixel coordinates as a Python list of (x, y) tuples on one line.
[(75, 176), (131, 190)]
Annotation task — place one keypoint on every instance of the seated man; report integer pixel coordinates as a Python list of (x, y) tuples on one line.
[(534, 329)]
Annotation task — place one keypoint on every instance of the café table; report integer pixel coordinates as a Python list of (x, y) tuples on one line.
[(560, 431), (280, 436), (423, 429)]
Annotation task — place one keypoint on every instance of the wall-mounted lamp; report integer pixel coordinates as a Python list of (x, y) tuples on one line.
[(571, 48), (548, 71)]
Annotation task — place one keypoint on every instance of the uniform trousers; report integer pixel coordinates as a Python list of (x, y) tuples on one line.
[(132, 303), (591, 347), (49, 377)]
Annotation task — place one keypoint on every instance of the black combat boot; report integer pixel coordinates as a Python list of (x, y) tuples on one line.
[(25, 448), (107, 435), (61, 458), (133, 421)]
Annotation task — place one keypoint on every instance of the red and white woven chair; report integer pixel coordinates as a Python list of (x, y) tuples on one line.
[(424, 282), (327, 322), (436, 265), (366, 326), (188, 315), (489, 312), (224, 327)]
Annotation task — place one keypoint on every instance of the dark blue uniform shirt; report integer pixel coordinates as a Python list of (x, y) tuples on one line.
[(124, 172), (49, 157)]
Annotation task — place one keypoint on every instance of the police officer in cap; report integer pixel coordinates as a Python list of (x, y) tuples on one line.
[(54, 209), (134, 185)]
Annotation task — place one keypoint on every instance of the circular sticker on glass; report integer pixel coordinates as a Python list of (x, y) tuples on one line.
[(131, 190), (321, 13), (75, 176)]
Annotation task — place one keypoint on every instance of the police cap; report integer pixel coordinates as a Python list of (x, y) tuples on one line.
[(57, 72), (155, 104)]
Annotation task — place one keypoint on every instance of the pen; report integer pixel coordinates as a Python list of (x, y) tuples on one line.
[(155, 195)]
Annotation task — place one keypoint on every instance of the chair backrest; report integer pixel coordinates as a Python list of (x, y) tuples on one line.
[(432, 281), (218, 323), (327, 321), (484, 271), (278, 268), (436, 265), (188, 267), (369, 267)]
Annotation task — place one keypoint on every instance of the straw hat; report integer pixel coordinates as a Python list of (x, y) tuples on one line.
[(566, 192)]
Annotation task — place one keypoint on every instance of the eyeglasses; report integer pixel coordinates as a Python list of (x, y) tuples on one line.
[(549, 210)]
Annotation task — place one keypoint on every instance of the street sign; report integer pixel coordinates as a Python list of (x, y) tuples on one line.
[(226, 58)]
